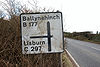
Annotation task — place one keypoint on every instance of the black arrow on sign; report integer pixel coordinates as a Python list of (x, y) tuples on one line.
[(48, 36)]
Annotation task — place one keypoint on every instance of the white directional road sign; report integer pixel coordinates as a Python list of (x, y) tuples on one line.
[(41, 32)]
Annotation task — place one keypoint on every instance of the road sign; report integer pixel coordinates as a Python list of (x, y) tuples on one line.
[(41, 32)]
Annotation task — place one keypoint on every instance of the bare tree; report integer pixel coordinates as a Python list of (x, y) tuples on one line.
[(14, 7), (1, 14)]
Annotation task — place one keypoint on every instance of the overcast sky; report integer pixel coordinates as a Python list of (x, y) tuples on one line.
[(78, 15)]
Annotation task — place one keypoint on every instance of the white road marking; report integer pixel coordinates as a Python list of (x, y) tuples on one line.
[(72, 58), (95, 48)]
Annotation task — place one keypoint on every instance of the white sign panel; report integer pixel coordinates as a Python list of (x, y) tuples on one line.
[(42, 32)]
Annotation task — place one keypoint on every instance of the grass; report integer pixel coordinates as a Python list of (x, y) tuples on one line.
[(66, 61), (93, 38)]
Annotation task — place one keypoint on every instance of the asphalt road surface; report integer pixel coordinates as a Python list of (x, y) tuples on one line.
[(86, 54)]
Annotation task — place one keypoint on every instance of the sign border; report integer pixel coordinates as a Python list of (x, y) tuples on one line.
[(43, 13)]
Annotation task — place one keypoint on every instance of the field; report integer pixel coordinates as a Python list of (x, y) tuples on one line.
[(84, 36)]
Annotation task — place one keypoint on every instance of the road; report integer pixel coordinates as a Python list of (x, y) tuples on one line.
[(86, 54)]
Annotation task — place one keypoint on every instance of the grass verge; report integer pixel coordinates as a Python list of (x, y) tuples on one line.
[(66, 61)]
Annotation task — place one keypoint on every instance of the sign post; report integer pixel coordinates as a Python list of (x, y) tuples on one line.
[(42, 33)]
